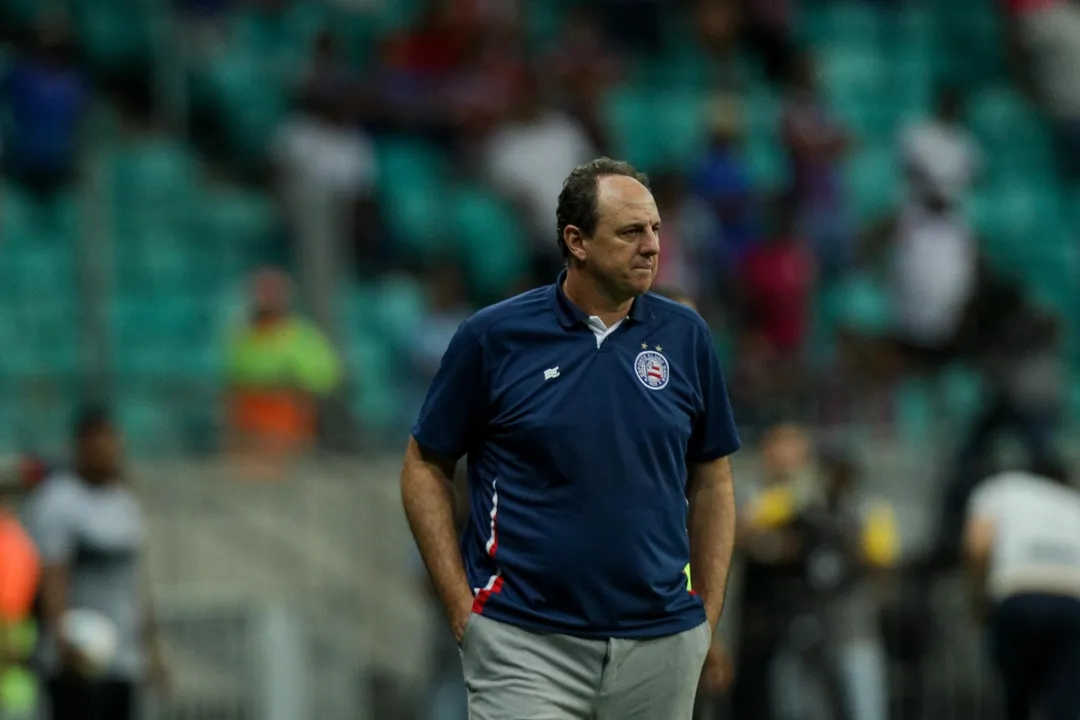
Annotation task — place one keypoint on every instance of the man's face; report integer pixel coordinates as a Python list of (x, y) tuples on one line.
[(102, 450), (622, 253)]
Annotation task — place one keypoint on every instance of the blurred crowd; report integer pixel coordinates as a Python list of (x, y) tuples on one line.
[(824, 313)]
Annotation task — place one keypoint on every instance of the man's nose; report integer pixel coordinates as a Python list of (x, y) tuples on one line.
[(651, 244)]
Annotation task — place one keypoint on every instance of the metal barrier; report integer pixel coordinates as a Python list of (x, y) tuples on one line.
[(323, 594)]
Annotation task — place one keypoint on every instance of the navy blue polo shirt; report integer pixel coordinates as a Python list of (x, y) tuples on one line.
[(578, 460)]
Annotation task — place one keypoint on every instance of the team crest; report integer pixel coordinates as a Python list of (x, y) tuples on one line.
[(652, 369)]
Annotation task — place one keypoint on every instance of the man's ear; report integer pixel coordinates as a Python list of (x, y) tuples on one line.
[(575, 242)]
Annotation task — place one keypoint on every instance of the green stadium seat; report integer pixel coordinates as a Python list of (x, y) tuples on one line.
[(852, 21), (1003, 119), (915, 413), (252, 96), (18, 215), (373, 365), (236, 218), (492, 241), (149, 426), (284, 39), (413, 186), (114, 33), (629, 114), (872, 181), (399, 306), (860, 303), (964, 390)]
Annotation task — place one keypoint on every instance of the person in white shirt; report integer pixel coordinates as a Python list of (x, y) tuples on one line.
[(1022, 547), (933, 274), (528, 159), (938, 154)]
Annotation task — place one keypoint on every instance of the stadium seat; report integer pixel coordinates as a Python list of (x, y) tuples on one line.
[(413, 186), (628, 113), (374, 365), (115, 34), (492, 241), (399, 307), (872, 182)]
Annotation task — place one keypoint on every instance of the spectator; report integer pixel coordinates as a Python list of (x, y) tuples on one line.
[(933, 275), (682, 235), (778, 279), (484, 89), (717, 24), (938, 154), (766, 27), (417, 64), (46, 99), (770, 573), (529, 157), (90, 533), (849, 537), (279, 369), (635, 25), (321, 155), (723, 181), (816, 142), (1044, 37), (584, 66), (1022, 548)]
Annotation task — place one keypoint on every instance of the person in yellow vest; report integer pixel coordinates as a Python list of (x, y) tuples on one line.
[(279, 367)]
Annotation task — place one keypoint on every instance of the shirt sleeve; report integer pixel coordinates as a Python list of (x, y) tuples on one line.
[(714, 434), (454, 410), (985, 501), (52, 527)]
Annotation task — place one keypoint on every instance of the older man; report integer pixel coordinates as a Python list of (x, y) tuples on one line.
[(598, 430)]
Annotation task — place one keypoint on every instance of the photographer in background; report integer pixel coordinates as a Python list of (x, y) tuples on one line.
[(813, 543), (1022, 551), (846, 540)]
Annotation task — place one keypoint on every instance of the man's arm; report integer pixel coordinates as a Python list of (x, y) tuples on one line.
[(711, 524), (978, 541), (428, 496)]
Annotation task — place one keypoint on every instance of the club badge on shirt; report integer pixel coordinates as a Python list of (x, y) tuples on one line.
[(652, 369)]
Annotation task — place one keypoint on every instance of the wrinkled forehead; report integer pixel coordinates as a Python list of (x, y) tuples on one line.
[(623, 200)]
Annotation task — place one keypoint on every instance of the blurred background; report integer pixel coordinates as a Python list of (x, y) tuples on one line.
[(250, 227)]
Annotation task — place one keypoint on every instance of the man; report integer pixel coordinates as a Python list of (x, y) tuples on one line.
[(89, 531), (817, 142), (1044, 46), (938, 154), (280, 366), (1022, 547), (46, 100), (598, 427)]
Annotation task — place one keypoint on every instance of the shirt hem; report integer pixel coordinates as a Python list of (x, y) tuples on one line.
[(673, 625)]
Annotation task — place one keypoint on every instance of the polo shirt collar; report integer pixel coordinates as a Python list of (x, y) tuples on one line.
[(570, 314)]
